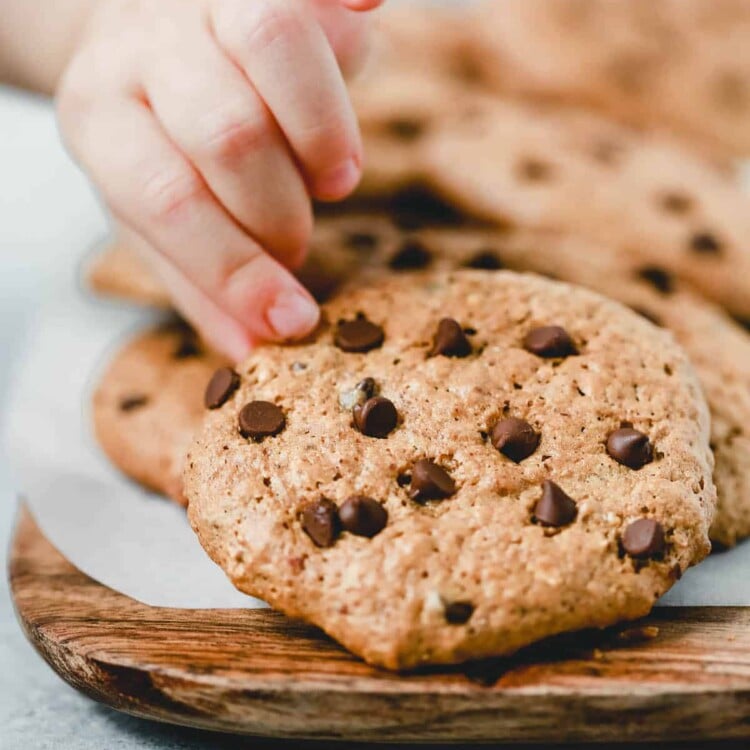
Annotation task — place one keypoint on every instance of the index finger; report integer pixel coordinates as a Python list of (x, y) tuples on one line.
[(155, 189)]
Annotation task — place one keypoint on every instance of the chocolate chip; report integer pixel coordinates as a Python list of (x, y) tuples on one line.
[(660, 279), (176, 325), (377, 417), (534, 170), (467, 69), (260, 419), (485, 260), (450, 340), (643, 538), (705, 243), (430, 481), (630, 447), (676, 203), (131, 403), (363, 516), (223, 384), (320, 281), (607, 152), (187, 347), (320, 521), (458, 613), (411, 256), (515, 438), (362, 242), (406, 129), (554, 508), (358, 335), (416, 206), (549, 342)]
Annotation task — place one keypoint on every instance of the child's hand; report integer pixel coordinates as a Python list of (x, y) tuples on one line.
[(209, 125)]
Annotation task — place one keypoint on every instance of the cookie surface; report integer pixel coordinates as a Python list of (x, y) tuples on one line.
[(476, 553), (683, 65), (400, 237), (149, 403), (572, 172), (717, 346)]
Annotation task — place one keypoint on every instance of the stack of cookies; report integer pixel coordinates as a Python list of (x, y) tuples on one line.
[(525, 410)]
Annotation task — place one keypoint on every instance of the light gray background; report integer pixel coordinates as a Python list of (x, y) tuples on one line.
[(48, 216)]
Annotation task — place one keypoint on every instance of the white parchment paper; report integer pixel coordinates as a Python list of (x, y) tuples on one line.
[(128, 539), (116, 532)]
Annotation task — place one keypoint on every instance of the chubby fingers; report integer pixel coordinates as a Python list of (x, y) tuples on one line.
[(222, 332), (223, 281), (348, 33), (219, 122), (282, 49), (208, 126)]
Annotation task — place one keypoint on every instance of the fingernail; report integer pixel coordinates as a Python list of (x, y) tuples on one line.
[(292, 315), (340, 181)]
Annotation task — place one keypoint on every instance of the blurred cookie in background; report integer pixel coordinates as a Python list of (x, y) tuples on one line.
[(149, 402), (677, 65), (640, 195)]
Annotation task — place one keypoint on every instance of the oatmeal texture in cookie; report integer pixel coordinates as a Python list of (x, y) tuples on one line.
[(408, 232), (428, 543)]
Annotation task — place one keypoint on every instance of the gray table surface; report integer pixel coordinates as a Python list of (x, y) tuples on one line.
[(48, 216)]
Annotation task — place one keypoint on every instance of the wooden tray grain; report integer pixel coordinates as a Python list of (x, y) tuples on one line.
[(257, 672)]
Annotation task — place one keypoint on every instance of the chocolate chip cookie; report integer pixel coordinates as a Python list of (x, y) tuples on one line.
[(404, 234), (420, 64), (718, 347), (458, 464), (679, 65), (642, 196), (149, 402)]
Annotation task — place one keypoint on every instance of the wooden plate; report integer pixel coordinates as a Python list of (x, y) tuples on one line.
[(683, 673)]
